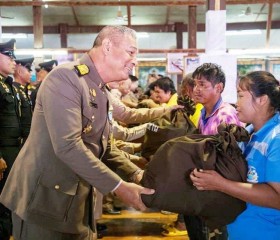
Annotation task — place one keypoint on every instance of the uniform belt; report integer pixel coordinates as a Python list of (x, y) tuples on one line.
[(10, 142)]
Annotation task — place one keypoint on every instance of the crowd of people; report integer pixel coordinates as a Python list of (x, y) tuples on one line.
[(70, 146)]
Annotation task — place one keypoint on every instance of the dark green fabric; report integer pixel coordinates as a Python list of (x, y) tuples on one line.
[(175, 125), (10, 141), (5, 226), (9, 110), (10, 131), (26, 110), (168, 173)]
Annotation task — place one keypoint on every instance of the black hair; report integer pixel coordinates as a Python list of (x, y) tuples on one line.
[(133, 78), (149, 88), (211, 72), (166, 84), (188, 81), (261, 83)]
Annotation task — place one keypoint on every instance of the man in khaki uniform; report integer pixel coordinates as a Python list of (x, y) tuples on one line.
[(49, 189)]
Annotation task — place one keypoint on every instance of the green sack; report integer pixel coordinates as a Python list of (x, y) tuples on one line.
[(177, 124)]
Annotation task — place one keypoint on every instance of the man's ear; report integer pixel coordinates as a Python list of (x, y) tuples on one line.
[(106, 45), (219, 87)]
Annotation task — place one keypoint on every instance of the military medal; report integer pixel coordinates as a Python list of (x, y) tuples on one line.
[(87, 129), (92, 92), (5, 87)]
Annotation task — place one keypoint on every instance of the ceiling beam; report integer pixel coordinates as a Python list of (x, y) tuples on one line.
[(140, 28), (126, 3)]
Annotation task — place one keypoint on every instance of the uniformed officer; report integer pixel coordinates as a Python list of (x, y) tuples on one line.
[(22, 78), (50, 188), (41, 72), (44, 68), (10, 132)]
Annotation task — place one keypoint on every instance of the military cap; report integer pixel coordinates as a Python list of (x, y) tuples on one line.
[(25, 62), (7, 48), (48, 66)]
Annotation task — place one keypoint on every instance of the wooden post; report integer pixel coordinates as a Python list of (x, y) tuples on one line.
[(192, 27), (38, 26), (63, 30), (179, 34), (216, 5)]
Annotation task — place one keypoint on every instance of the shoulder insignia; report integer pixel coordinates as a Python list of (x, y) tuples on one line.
[(81, 70)]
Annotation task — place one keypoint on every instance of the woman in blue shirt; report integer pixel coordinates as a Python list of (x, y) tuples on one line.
[(258, 104)]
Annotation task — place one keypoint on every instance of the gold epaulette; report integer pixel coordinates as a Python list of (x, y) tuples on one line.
[(81, 69)]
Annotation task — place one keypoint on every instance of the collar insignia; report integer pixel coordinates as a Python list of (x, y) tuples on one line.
[(92, 92), (87, 129)]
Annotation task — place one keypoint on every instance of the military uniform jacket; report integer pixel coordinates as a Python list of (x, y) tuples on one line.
[(9, 114), (51, 184), (26, 109)]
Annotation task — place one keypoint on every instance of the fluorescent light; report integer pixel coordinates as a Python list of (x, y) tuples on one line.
[(41, 52), (12, 35), (244, 32), (45, 5), (142, 35)]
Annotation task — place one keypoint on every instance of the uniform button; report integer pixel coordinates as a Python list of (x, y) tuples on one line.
[(103, 137), (56, 187), (92, 117)]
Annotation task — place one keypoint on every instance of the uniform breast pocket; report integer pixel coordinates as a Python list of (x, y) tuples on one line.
[(53, 196), (25, 104), (9, 98)]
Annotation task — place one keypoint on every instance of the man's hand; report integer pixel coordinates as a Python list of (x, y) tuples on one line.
[(149, 103), (130, 194), (3, 167), (140, 162)]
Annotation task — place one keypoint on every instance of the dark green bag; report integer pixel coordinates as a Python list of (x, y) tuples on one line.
[(168, 173), (176, 125)]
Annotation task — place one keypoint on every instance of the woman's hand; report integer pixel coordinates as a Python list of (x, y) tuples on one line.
[(207, 179)]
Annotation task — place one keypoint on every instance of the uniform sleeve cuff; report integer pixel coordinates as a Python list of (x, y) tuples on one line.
[(117, 185)]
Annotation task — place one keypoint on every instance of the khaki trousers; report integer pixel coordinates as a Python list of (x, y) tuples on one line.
[(26, 231)]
